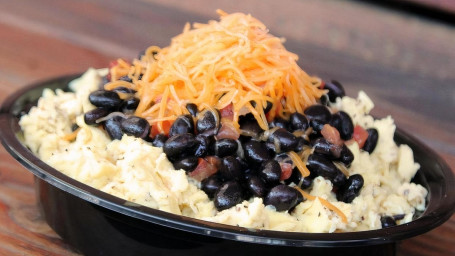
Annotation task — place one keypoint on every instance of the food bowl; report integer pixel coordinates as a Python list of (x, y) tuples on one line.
[(96, 223)]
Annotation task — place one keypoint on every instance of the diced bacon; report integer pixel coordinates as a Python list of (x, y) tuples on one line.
[(203, 170), (360, 135), (286, 171), (227, 112), (227, 131), (331, 134)]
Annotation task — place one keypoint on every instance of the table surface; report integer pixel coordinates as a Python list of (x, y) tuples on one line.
[(406, 63)]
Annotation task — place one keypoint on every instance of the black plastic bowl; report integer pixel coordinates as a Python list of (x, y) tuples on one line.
[(96, 223)]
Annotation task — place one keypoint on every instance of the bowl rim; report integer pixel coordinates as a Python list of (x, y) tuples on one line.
[(436, 213)]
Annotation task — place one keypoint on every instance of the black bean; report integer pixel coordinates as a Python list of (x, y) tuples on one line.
[(343, 123), (299, 122), (129, 105), (387, 221), (91, 116), (346, 156), (243, 165), (105, 99), (192, 108), (398, 216), (226, 147), (335, 90), (284, 141), (318, 115), (324, 100), (279, 122), (126, 79), (321, 166), (351, 189), (256, 186), (296, 178), (282, 197), (228, 195), (255, 152), (301, 142), (114, 128), (206, 145), (104, 80), (159, 140), (270, 172), (322, 146), (372, 140), (230, 168), (125, 90), (183, 124), (136, 126), (74, 127), (188, 164), (180, 146), (267, 108), (208, 123), (210, 185), (249, 126)]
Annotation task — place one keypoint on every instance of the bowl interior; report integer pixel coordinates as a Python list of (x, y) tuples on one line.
[(434, 174)]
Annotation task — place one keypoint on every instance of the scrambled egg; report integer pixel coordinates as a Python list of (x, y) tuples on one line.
[(134, 170)]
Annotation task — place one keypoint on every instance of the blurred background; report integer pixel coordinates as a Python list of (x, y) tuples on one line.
[(402, 53)]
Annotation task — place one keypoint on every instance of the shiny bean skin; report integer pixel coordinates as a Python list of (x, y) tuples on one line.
[(255, 152), (284, 141), (346, 156), (351, 189), (180, 146), (256, 186), (188, 164), (387, 221), (210, 185), (372, 140), (250, 126), (192, 108), (282, 197), (183, 124), (105, 99), (343, 123), (230, 168), (136, 126), (208, 123), (296, 178), (279, 122), (321, 166), (299, 122), (113, 127), (318, 115), (270, 172), (159, 140), (228, 195), (129, 105), (91, 116), (205, 146), (226, 147), (335, 90)]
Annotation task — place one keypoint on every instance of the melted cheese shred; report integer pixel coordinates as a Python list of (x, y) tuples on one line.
[(235, 60)]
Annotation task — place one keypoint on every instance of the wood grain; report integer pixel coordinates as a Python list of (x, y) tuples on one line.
[(403, 62)]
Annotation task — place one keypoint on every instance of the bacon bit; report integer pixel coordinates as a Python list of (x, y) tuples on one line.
[(203, 170), (227, 130), (228, 112), (360, 135), (71, 136), (331, 134), (322, 85), (286, 171), (324, 202)]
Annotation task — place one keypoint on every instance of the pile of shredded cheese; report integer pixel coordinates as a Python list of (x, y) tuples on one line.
[(234, 61)]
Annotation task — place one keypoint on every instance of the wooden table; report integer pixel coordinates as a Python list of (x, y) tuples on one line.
[(404, 62)]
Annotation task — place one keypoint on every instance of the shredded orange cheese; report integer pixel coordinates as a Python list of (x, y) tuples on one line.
[(234, 60), (324, 202), (301, 166), (71, 136)]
